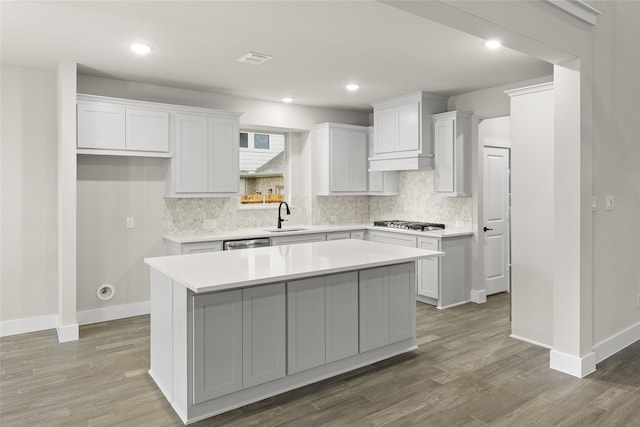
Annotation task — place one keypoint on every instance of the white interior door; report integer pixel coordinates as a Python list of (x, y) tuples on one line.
[(496, 220)]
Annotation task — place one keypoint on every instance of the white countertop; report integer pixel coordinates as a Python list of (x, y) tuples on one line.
[(216, 271), (209, 236)]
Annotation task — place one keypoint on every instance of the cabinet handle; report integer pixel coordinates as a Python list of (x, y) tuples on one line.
[(487, 229)]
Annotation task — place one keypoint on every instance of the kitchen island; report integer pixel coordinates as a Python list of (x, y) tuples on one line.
[(231, 328)]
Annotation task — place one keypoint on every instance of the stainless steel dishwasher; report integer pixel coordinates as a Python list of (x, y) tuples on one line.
[(230, 245)]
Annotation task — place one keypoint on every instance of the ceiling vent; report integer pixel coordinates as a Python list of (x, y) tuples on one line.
[(254, 58)]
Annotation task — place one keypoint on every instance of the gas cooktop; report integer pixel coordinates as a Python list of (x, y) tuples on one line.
[(409, 225)]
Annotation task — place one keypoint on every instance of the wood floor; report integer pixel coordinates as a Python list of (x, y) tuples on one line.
[(467, 372)]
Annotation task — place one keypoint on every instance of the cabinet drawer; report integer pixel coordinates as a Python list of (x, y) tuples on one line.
[(199, 247), (428, 243), (392, 238)]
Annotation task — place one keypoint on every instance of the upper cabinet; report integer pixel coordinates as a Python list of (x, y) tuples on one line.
[(403, 132), (385, 183), (110, 126), (452, 144), (340, 160), (205, 155), (340, 163)]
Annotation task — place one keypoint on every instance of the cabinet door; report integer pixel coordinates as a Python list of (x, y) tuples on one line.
[(305, 324), (339, 160), (408, 134), (402, 301), (358, 161), (217, 341), (385, 130), (428, 282), (341, 318), (147, 130), (263, 334), (224, 173), (101, 126), (191, 154), (374, 308), (444, 152)]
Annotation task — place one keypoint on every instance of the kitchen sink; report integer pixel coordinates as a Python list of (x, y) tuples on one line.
[(282, 230)]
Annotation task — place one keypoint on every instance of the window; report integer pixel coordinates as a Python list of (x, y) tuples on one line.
[(260, 141), (262, 165), (244, 140)]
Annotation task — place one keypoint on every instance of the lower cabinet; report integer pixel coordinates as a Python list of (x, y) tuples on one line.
[(429, 279), (238, 340), (322, 322), (217, 345), (263, 334), (387, 307), (298, 238)]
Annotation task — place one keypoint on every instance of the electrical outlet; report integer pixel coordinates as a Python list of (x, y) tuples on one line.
[(594, 202), (608, 202), (210, 224), (333, 219), (130, 222), (638, 301)]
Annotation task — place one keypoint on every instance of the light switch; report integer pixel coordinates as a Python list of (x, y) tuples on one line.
[(608, 202), (130, 223), (594, 202)]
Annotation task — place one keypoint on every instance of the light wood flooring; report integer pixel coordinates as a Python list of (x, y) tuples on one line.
[(467, 372)]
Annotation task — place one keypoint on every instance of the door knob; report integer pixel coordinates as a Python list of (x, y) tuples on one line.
[(487, 229)]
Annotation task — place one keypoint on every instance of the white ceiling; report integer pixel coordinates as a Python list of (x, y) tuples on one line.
[(317, 48)]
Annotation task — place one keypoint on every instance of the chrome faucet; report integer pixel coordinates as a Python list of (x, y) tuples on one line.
[(280, 215)]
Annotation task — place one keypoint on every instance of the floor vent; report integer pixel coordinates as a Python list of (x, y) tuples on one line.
[(254, 58)]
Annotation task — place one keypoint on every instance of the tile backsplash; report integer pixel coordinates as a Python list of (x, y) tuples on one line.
[(417, 202)]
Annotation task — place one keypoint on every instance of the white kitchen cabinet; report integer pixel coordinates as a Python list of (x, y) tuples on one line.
[(442, 281), (374, 308), (217, 345), (147, 130), (393, 238), (452, 149), (101, 126), (263, 334), (305, 324), (402, 294), (341, 316), (385, 183), (340, 160), (359, 234), (206, 156), (112, 126), (428, 276), (387, 305), (403, 132), (298, 238), (340, 235)]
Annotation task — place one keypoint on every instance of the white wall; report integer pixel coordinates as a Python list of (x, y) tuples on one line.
[(532, 219), (28, 267), (616, 169)]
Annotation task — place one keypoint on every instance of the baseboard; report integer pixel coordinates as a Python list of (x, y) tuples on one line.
[(479, 296), (113, 312), (453, 305), (28, 324), (68, 333), (612, 345), (539, 344), (577, 366)]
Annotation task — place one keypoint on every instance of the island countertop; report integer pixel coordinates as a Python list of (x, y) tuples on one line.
[(217, 271)]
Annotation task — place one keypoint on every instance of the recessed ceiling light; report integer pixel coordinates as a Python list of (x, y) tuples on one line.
[(140, 48), (492, 44), (352, 87), (287, 99)]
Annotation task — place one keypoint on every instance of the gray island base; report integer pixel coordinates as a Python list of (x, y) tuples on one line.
[(232, 328)]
